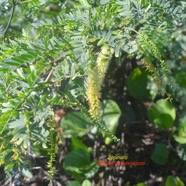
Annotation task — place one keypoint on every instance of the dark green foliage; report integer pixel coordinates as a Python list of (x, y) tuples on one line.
[(160, 154), (78, 164), (47, 48), (140, 86), (75, 124)]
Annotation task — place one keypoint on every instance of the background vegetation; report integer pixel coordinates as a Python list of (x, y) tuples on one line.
[(82, 80)]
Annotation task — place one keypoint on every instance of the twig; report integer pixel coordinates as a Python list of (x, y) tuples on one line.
[(49, 75), (54, 63), (10, 20)]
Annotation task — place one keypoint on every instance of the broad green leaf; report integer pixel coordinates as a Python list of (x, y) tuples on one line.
[(76, 160), (75, 124), (86, 183), (160, 154), (162, 114), (174, 181), (180, 134), (78, 144), (138, 85)]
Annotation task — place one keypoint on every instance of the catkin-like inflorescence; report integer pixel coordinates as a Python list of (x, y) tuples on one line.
[(95, 79), (103, 61), (93, 93)]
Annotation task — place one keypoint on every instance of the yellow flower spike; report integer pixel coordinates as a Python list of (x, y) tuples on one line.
[(95, 79), (103, 60), (93, 93)]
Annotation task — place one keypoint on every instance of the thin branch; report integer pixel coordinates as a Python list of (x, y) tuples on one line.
[(54, 63), (49, 75), (10, 20)]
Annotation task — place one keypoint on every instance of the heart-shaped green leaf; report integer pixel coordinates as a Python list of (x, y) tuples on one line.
[(162, 114)]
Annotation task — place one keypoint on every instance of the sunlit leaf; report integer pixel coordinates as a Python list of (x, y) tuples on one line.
[(162, 114)]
